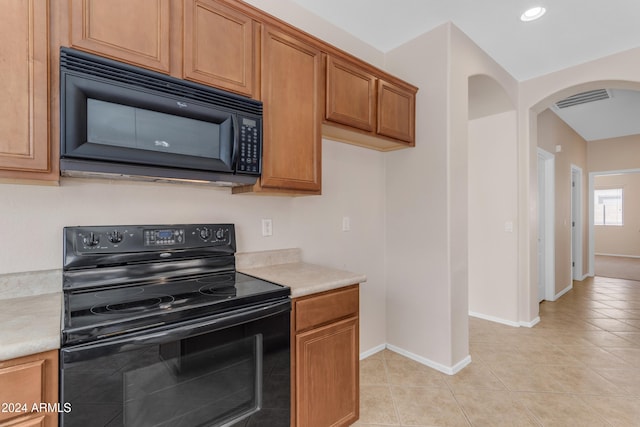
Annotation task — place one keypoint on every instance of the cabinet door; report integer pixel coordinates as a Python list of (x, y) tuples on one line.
[(327, 375), (29, 381), (36, 420), (351, 95), (396, 112), (291, 95), (220, 46), (24, 132), (131, 31)]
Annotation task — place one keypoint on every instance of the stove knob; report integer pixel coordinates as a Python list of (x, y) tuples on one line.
[(115, 236), (205, 233), (91, 239), (220, 233)]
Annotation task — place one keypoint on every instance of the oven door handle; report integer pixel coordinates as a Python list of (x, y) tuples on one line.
[(203, 326), (170, 333)]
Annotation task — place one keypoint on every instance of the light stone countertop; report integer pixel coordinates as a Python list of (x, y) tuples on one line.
[(286, 267), (29, 324), (31, 303)]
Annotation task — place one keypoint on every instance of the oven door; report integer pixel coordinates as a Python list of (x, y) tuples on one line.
[(231, 370)]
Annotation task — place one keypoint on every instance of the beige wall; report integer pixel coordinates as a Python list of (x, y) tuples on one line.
[(427, 199), (493, 255), (614, 154), (552, 132), (621, 240)]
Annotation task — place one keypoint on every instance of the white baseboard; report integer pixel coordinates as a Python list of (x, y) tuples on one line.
[(562, 292), (531, 324), (506, 322), (430, 363), (619, 255), (372, 351), (494, 319)]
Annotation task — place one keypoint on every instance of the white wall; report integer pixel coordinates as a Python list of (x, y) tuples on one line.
[(493, 256), (301, 18), (352, 186), (418, 294), (427, 203), (32, 218)]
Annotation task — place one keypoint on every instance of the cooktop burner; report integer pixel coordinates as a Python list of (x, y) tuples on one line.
[(134, 306), (106, 312)]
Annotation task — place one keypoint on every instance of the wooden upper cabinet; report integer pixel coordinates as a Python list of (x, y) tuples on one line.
[(291, 95), (396, 112), (136, 32), (367, 107), (220, 47), (24, 113), (350, 95)]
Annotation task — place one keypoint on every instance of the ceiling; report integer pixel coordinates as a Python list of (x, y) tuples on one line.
[(570, 33)]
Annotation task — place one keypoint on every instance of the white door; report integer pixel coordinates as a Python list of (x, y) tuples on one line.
[(576, 223)]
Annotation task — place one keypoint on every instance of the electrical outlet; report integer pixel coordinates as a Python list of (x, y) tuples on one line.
[(346, 223), (267, 227)]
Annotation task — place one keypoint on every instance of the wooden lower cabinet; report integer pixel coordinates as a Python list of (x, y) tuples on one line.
[(325, 366), (25, 384)]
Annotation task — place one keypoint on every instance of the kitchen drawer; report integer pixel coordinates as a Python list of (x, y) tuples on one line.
[(319, 309), (21, 385)]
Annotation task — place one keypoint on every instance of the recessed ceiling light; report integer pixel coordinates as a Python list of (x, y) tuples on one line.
[(533, 14)]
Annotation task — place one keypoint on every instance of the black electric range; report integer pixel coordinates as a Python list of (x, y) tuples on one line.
[(122, 279)]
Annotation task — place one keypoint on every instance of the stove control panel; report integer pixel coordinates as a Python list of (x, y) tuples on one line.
[(126, 241), (163, 237)]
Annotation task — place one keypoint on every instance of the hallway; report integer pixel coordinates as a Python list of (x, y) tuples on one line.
[(580, 366)]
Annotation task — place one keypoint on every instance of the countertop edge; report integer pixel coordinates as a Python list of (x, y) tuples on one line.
[(304, 278)]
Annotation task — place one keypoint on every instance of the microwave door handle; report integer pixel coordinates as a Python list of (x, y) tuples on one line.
[(236, 143)]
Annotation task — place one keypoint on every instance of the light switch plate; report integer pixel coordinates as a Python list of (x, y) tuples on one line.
[(267, 227)]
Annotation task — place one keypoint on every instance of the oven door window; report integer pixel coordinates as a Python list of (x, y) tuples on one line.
[(229, 377), (193, 386)]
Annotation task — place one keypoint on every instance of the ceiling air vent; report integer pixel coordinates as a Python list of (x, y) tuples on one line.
[(583, 98)]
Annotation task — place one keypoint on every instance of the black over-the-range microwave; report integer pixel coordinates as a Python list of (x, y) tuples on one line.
[(117, 120)]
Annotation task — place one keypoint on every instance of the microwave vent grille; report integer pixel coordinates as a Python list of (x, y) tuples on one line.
[(90, 65)]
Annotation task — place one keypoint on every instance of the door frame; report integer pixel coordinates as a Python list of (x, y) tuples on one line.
[(576, 223), (592, 237), (549, 223)]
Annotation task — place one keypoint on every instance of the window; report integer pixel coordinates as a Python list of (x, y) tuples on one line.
[(608, 206)]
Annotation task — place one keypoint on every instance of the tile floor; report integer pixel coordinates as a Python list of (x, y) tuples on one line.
[(580, 366)]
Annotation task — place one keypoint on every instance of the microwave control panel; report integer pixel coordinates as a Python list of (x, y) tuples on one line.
[(250, 146)]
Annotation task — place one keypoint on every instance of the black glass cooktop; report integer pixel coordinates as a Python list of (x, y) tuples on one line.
[(93, 314)]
